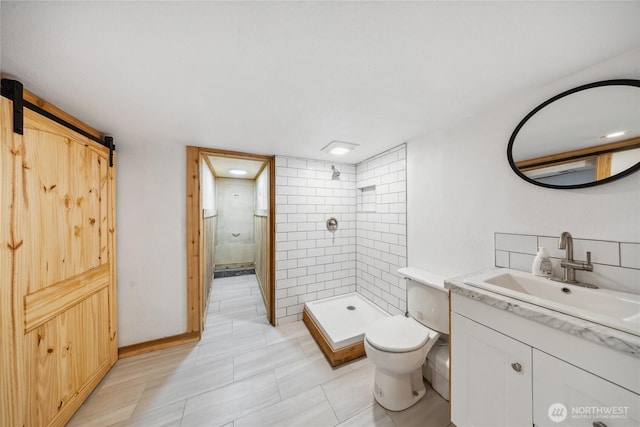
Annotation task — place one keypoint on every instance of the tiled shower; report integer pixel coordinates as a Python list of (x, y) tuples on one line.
[(363, 254)]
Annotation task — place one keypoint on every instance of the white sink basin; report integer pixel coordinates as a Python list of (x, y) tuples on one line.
[(619, 310)]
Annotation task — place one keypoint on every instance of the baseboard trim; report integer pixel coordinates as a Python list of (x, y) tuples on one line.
[(160, 343)]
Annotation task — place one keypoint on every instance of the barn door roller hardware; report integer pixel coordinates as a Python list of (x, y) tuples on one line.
[(13, 90)]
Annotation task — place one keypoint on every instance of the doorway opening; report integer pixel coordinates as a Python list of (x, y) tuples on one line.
[(230, 225)]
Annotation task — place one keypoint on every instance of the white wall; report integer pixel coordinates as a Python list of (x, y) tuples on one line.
[(151, 230), (208, 188), (462, 190), (262, 190)]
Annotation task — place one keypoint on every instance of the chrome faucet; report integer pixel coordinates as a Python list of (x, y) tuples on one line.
[(570, 266)]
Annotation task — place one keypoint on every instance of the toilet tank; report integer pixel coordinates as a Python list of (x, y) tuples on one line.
[(427, 299)]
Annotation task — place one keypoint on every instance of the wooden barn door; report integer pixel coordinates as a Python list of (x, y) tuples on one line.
[(57, 298)]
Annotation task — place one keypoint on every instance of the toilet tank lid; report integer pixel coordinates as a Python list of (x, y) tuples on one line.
[(398, 334), (425, 277)]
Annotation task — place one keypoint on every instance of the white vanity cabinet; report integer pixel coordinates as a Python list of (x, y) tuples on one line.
[(510, 371), (588, 400), (491, 378)]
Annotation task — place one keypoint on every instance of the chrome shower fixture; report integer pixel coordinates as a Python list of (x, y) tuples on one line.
[(336, 173)]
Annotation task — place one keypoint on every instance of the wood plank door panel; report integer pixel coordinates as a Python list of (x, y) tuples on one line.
[(57, 221)]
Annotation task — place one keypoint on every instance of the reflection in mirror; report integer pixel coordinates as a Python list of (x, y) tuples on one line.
[(583, 137)]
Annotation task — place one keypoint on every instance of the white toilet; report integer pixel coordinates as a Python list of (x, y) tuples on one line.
[(398, 345)]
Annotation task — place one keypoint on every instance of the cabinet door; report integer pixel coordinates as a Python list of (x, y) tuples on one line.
[(564, 395), (490, 377)]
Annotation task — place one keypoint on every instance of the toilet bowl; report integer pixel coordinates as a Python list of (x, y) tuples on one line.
[(398, 345)]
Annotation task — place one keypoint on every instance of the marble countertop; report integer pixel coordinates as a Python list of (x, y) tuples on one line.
[(603, 335)]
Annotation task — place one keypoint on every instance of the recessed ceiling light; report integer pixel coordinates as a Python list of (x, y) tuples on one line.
[(339, 148), (238, 172), (616, 134)]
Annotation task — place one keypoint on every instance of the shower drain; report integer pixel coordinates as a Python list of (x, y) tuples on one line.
[(350, 307)]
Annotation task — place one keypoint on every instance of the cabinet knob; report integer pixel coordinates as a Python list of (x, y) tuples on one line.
[(518, 368), (599, 424)]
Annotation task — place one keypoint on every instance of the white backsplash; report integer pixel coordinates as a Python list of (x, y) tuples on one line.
[(616, 265)]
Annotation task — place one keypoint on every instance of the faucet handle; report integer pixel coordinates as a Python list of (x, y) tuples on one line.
[(587, 265)]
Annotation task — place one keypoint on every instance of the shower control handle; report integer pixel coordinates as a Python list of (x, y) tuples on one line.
[(332, 224)]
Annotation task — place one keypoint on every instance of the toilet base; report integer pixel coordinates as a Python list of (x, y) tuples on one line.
[(398, 392)]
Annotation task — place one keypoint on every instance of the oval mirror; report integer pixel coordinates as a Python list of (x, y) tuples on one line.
[(583, 137)]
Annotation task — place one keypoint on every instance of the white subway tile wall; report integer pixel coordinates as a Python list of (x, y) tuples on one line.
[(616, 265), (365, 252), (381, 226), (312, 262)]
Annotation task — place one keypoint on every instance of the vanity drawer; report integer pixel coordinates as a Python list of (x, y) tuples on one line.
[(565, 395)]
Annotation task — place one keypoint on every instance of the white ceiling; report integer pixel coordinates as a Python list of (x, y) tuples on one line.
[(287, 78)]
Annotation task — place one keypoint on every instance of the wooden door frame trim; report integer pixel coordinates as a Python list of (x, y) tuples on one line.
[(195, 235)]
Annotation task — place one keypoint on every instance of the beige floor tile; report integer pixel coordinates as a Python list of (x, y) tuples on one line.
[(167, 416), (305, 374), (350, 393), (372, 416), (277, 375), (261, 309), (229, 346), (267, 358), (184, 384), (213, 307), (109, 406), (309, 345), (155, 364), (431, 411), (225, 404), (241, 301), (257, 325), (232, 313), (363, 361), (306, 409), (286, 332), (216, 330)]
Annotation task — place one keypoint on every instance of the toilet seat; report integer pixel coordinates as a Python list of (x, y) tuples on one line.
[(398, 334)]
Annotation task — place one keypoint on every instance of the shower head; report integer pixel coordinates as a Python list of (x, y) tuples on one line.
[(336, 173)]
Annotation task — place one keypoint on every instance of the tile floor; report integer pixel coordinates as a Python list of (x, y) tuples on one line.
[(245, 373)]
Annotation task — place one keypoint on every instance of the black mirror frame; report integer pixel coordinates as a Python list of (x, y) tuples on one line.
[(617, 82)]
